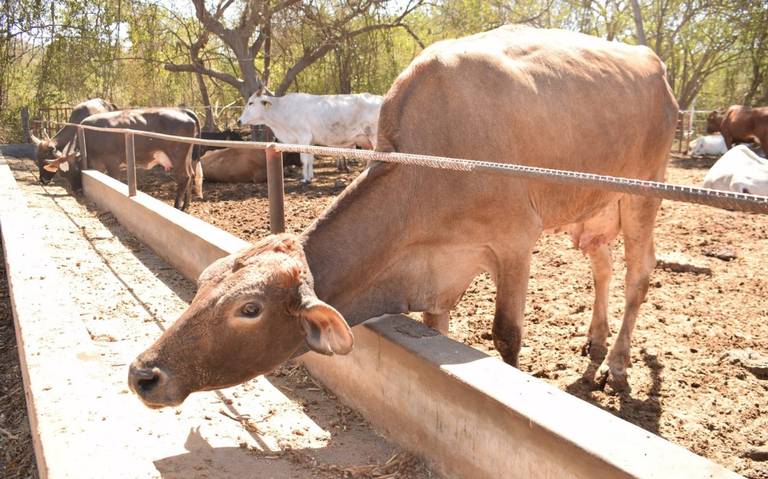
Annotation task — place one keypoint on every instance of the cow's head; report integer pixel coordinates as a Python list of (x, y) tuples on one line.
[(252, 311), (255, 111), (46, 153), (714, 121)]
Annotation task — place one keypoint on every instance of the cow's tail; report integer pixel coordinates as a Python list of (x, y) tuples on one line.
[(199, 179), (197, 169)]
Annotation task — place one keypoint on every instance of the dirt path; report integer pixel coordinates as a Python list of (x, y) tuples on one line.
[(688, 382), (281, 426)]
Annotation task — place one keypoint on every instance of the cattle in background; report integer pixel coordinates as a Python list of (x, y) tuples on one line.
[(739, 170), (710, 145), (53, 148), (289, 158), (235, 165), (740, 124), (328, 120), (106, 151), (405, 239)]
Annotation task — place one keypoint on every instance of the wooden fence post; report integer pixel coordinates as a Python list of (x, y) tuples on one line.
[(275, 191), (25, 124), (81, 144), (131, 163)]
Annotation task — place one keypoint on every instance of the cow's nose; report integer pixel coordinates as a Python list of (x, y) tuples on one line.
[(144, 380), (239, 123)]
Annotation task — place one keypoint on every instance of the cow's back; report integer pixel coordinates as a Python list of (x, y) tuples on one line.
[(547, 98), (235, 165), (169, 121), (90, 107), (739, 170)]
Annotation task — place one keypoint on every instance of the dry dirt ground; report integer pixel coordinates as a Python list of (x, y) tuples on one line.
[(688, 382), (17, 459), (284, 426)]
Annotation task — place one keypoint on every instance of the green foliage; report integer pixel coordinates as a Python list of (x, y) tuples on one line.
[(62, 51)]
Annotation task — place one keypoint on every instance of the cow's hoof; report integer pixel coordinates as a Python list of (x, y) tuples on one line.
[(596, 351), (611, 381)]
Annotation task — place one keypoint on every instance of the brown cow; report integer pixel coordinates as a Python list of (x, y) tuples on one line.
[(235, 165), (106, 151), (402, 238), (740, 124)]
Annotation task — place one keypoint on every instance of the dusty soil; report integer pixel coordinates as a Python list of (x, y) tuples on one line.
[(17, 459), (687, 384), (283, 426)]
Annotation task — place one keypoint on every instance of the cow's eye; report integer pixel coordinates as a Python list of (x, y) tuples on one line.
[(250, 310), (250, 102)]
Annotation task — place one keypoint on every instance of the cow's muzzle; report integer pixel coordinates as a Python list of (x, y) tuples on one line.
[(153, 387)]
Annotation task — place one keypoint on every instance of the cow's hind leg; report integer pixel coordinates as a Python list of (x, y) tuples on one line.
[(602, 271), (511, 284), (638, 216)]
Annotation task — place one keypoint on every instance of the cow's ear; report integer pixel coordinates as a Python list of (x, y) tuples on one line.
[(266, 103), (325, 329), (62, 162)]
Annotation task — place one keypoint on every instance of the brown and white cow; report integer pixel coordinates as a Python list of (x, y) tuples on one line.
[(403, 238), (52, 148), (106, 151), (235, 165), (740, 124)]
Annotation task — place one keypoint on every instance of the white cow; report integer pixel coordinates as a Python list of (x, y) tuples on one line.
[(709, 145), (739, 170), (327, 120)]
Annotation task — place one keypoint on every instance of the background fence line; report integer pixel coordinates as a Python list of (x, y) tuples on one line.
[(690, 194)]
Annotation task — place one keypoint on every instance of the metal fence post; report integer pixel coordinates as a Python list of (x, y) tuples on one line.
[(81, 144), (131, 164), (275, 191)]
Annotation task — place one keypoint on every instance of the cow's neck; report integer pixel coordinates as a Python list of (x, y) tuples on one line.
[(352, 247), (62, 137)]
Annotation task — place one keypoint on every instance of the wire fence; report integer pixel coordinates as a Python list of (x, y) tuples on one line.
[(674, 192)]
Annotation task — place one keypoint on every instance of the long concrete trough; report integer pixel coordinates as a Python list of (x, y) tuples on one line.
[(470, 415)]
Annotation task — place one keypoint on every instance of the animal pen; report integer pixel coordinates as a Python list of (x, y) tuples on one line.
[(469, 414)]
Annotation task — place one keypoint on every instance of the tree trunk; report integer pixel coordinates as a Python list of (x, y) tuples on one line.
[(209, 124), (640, 29)]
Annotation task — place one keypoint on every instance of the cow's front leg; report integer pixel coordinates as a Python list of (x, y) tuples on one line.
[(439, 322), (511, 284), (307, 172), (602, 271)]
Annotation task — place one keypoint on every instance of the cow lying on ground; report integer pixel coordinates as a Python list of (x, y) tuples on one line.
[(739, 170), (404, 239), (328, 120), (106, 151), (235, 165), (710, 145), (52, 148), (740, 124)]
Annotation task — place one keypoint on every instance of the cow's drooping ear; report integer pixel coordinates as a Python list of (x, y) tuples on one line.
[(266, 103), (62, 162), (325, 329)]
